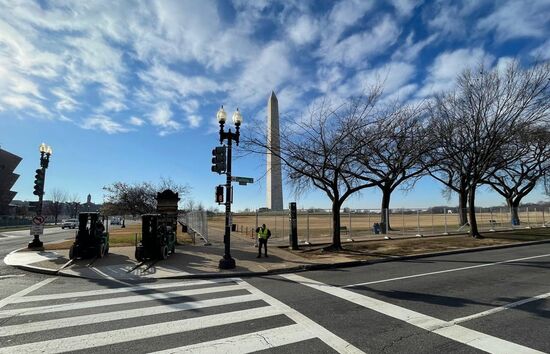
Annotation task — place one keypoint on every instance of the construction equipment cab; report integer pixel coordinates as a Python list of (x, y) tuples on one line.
[(91, 238)]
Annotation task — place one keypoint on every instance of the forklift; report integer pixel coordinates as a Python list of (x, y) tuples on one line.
[(91, 238), (158, 238)]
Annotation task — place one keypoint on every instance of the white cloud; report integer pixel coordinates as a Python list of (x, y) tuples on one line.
[(345, 14), (21, 102), (358, 48), (161, 117), (65, 102), (194, 120), (410, 50), (105, 124), (542, 51), (266, 72), (518, 19), (445, 68), (138, 122), (304, 30), (405, 7)]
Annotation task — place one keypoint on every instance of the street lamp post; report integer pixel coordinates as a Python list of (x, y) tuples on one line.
[(227, 262), (45, 153)]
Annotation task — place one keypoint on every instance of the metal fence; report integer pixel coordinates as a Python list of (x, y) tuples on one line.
[(9, 220), (316, 226), (197, 223)]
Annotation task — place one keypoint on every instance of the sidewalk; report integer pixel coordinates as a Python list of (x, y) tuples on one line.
[(198, 261), (189, 261)]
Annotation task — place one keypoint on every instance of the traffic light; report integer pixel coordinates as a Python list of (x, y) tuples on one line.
[(219, 159), (219, 194), (39, 182)]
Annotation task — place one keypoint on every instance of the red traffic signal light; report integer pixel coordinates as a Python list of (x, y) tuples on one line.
[(219, 194)]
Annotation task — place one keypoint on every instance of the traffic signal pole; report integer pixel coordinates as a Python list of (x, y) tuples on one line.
[(227, 262)]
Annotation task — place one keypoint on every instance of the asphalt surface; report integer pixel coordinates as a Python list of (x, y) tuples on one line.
[(429, 305)]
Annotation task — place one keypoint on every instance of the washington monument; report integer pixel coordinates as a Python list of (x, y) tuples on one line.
[(274, 176)]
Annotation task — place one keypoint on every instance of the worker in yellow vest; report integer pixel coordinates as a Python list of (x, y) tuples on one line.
[(263, 235)]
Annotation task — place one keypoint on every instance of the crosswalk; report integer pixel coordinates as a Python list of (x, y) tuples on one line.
[(200, 316)]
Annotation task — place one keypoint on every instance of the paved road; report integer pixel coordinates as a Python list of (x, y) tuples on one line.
[(494, 301), (13, 280)]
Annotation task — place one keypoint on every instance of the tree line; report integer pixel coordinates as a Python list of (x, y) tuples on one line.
[(492, 130)]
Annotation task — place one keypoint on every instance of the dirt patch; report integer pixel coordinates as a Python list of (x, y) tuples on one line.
[(395, 248)]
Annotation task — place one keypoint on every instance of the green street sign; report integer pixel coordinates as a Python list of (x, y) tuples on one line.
[(242, 180)]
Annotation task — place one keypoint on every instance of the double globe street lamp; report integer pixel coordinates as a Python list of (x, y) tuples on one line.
[(227, 262), (40, 178)]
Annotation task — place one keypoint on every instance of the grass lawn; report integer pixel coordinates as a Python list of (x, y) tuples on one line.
[(120, 237)]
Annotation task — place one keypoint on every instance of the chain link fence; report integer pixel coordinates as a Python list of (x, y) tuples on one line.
[(315, 226)]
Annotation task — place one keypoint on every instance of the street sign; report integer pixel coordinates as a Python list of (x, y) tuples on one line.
[(37, 229), (37, 226), (242, 180), (38, 220)]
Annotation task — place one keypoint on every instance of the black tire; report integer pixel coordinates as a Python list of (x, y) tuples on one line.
[(139, 255), (163, 252), (101, 251)]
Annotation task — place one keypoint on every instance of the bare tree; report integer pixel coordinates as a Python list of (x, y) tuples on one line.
[(58, 199), (522, 174), (73, 204), (394, 151), (138, 198), (475, 121), (319, 151)]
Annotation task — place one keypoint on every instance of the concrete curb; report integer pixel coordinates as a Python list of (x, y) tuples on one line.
[(301, 268)]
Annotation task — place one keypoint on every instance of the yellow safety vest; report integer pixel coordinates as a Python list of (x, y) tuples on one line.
[(262, 234)]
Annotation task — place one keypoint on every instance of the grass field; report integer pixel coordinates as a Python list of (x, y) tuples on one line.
[(122, 237)]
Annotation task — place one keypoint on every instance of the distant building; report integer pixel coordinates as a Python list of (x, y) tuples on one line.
[(8, 163)]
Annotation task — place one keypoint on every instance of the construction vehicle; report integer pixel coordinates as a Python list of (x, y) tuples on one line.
[(91, 239), (158, 238)]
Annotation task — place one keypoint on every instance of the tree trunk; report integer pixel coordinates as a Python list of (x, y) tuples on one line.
[(514, 214), (336, 242), (462, 207), (385, 216), (472, 213)]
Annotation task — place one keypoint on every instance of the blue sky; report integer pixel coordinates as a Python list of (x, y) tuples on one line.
[(128, 91)]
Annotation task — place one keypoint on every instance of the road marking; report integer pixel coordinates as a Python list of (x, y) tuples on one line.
[(248, 343), (313, 327), (11, 276), (500, 308), (121, 315), (449, 330), (99, 339), (15, 297), (444, 271), (114, 301), (121, 290)]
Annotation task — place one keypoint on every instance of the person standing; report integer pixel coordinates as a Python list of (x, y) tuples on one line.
[(263, 235)]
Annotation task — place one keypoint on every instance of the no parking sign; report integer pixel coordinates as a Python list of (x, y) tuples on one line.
[(37, 226)]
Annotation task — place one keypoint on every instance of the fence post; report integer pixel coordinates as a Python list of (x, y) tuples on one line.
[(307, 218), (528, 219), (433, 227), (403, 221), (418, 224), (256, 228), (543, 221), (368, 222), (445, 218), (492, 222), (350, 238)]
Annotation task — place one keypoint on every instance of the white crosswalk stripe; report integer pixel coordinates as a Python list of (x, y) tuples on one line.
[(249, 306)]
